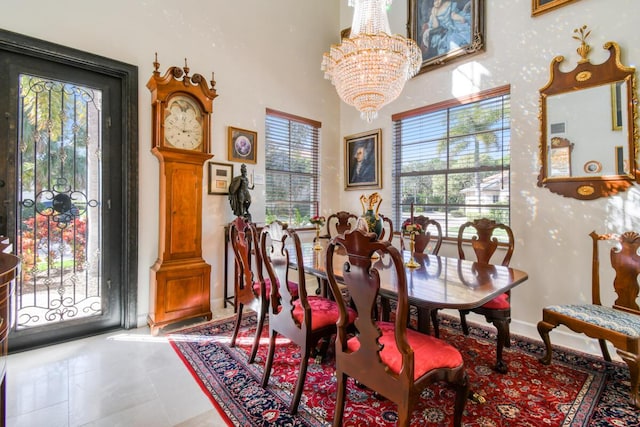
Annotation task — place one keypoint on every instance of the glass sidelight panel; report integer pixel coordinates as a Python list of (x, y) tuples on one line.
[(59, 194)]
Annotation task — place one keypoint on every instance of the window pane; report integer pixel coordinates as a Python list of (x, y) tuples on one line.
[(453, 164), (291, 169)]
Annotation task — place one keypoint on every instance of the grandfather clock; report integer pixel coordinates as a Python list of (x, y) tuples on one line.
[(181, 116)]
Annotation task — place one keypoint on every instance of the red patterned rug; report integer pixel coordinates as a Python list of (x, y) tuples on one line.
[(575, 390)]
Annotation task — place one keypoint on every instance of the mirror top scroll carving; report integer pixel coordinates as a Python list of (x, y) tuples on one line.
[(589, 135)]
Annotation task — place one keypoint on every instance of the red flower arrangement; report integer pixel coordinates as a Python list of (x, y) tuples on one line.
[(409, 227), (317, 220)]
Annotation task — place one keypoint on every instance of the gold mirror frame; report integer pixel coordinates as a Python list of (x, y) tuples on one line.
[(553, 174)]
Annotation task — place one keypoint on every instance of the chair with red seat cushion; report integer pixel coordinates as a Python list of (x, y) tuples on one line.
[(485, 240), (303, 320), (251, 288), (387, 357)]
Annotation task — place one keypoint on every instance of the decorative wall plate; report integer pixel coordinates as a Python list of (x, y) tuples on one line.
[(593, 166)]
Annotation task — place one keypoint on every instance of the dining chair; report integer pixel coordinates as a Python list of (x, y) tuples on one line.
[(620, 323), (430, 242), (304, 320), (482, 237), (339, 222), (249, 283), (251, 289), (385, 356)]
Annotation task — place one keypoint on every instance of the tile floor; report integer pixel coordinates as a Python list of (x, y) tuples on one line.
[(122, 378)]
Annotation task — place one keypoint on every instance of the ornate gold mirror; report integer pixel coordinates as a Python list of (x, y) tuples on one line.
[(589, 137)]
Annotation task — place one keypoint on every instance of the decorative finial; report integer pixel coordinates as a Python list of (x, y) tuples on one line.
[(213, 82), (584, 48), (186, 68), (156, 65)]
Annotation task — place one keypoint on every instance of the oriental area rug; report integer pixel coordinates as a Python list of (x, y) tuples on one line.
[(575, 390)]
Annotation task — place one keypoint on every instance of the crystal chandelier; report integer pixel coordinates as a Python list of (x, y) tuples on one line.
[(370, 67)]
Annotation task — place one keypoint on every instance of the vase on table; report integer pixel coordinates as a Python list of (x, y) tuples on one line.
[(370, 206)]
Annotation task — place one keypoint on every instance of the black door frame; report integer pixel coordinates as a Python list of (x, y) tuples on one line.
[(128, 76)]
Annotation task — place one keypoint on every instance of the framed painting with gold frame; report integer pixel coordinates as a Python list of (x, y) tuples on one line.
[(242, 145), (362, 165), (541, 6), (439, 45)]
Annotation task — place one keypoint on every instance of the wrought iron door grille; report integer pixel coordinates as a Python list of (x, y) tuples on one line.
[(59, 186)]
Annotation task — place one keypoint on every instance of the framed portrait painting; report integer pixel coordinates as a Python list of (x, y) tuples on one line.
[(542, 6), (242, 145), (362, 168), (446, 30), (220, 176)]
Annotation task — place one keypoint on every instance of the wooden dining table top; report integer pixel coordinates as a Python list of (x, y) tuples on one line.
[(438, 282)]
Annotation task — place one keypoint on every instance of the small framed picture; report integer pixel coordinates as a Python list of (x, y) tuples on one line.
[(243, 145), (542, 6), (362, 168), (220, 176)]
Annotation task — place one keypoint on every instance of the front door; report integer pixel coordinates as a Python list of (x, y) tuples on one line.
[(62, 197)]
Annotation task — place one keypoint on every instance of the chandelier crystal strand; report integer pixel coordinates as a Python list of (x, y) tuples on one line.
[(371, 66)]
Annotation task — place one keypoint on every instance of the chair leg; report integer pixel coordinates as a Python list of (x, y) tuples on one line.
[(463, 321), (462, 391), (434, 320), (604, 349), (302, 375), (270, 353), (633, 361), (236, 328), (405, 409), (258, 335), (543, 329), (340, 396)]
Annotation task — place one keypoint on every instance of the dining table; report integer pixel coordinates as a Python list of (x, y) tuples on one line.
[(438, 282)]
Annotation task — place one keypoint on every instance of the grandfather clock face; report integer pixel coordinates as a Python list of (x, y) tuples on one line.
[(183, 124)]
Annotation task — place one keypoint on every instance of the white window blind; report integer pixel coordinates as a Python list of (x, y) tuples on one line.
[(452, 160), (291, 152)]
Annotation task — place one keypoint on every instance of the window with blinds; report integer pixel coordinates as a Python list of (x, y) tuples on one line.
[(451, 161), (291, 152)]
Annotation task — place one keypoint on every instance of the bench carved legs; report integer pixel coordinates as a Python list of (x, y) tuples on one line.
[(543, 329), (633, 361)]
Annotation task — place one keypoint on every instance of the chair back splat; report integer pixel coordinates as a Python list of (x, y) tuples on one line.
[(619, 323), (384, 355), (339, 222)]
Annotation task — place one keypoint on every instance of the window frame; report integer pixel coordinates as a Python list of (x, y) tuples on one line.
[(450, 223), (300, 220)]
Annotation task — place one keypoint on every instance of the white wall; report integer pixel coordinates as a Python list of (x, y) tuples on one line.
[(264, 54), (552, 242), (268, 53)]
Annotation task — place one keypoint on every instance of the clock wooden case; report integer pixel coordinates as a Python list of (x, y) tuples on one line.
[(181, 112)]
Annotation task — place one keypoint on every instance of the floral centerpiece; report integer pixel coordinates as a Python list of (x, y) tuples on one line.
[(409, 227), (318, 221)]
